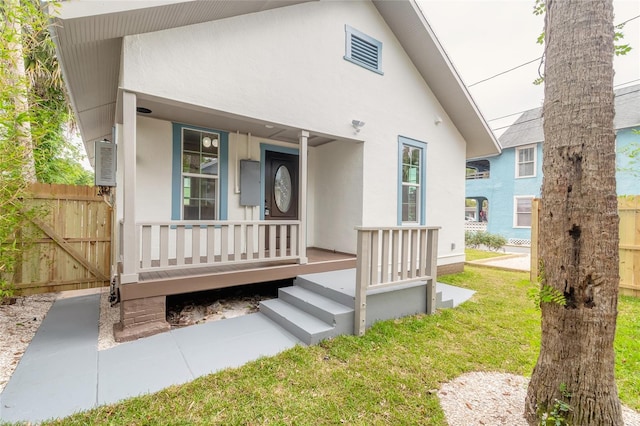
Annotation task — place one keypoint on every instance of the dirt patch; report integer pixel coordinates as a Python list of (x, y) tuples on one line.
[(197, 308)]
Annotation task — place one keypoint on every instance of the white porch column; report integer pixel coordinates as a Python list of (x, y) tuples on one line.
[(129, 235), (302, 195)]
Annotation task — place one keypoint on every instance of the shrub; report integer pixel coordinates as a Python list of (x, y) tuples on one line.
[(492, 241)]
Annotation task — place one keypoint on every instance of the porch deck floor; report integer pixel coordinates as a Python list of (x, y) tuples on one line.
[(186, 280), (314, 256)]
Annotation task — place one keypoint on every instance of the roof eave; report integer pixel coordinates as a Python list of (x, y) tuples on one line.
[(420, 43), (418, 39)]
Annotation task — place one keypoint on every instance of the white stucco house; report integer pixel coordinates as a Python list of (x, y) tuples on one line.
[(240, 125)]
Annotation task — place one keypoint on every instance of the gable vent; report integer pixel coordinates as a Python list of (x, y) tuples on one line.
[(363, 50)]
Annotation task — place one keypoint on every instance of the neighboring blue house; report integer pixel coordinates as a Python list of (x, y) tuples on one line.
[(504, 185)]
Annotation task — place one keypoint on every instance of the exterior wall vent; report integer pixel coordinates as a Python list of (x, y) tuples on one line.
[(363, 50)]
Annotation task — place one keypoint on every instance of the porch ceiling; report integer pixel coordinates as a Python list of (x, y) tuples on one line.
[(170, 110)]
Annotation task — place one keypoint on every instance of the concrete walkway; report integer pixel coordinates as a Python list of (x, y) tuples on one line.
[(62, 371), (510, 262)]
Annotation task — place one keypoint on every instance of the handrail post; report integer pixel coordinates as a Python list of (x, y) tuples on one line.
[(363, 274), (432, 270)]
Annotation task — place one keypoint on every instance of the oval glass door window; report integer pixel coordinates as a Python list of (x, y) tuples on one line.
[(282, 189)]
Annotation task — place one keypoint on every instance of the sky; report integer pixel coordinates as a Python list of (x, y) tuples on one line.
[(487, 37)]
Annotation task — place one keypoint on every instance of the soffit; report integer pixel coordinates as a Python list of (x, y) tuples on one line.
[(88, 38)]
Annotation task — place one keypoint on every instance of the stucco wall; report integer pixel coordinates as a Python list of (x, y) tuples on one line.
[(287, 66), (500, 190), (338, 195)]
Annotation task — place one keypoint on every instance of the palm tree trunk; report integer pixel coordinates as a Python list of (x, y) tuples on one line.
[(578, 242)]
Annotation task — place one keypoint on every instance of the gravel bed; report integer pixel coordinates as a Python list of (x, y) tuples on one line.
[(482, 398)]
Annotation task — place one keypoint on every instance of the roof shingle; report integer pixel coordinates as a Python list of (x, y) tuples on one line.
[(527, 129)]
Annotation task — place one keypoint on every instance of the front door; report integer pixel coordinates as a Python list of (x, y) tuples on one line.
[(281, 190)]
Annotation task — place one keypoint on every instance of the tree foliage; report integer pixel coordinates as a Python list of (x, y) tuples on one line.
[(39, 80), (619, 49), (34, 120)]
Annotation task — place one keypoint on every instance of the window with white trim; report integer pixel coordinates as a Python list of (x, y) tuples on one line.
[(200, 174), (526, 161), (522, 212), (363, 50)]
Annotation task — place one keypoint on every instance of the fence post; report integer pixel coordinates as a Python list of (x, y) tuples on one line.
[(363, 271)]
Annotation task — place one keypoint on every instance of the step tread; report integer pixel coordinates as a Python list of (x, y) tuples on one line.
[(342, 295), (317, 300), (298, 317)]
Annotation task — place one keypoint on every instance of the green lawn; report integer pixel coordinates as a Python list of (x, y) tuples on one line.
[(389, 376), (475, 254)]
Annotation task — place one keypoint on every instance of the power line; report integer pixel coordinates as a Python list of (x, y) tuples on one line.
[(520, 112), (538, 118), (510, 115), (628, 20), (504, 72), (517, 124), (534, 60)]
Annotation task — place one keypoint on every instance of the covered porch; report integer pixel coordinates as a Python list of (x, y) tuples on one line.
[(160, 229), (161, 251)]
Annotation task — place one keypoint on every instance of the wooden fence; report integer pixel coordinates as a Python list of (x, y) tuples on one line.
[(72, 247), (629, 247), (629, 212)]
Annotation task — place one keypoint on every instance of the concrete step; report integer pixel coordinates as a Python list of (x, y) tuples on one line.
[(336, 287), (443, 304), (321, 307), (303, 325)]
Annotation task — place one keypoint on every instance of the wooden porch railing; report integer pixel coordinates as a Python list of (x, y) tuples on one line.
[(390, 256), (193, 244)]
